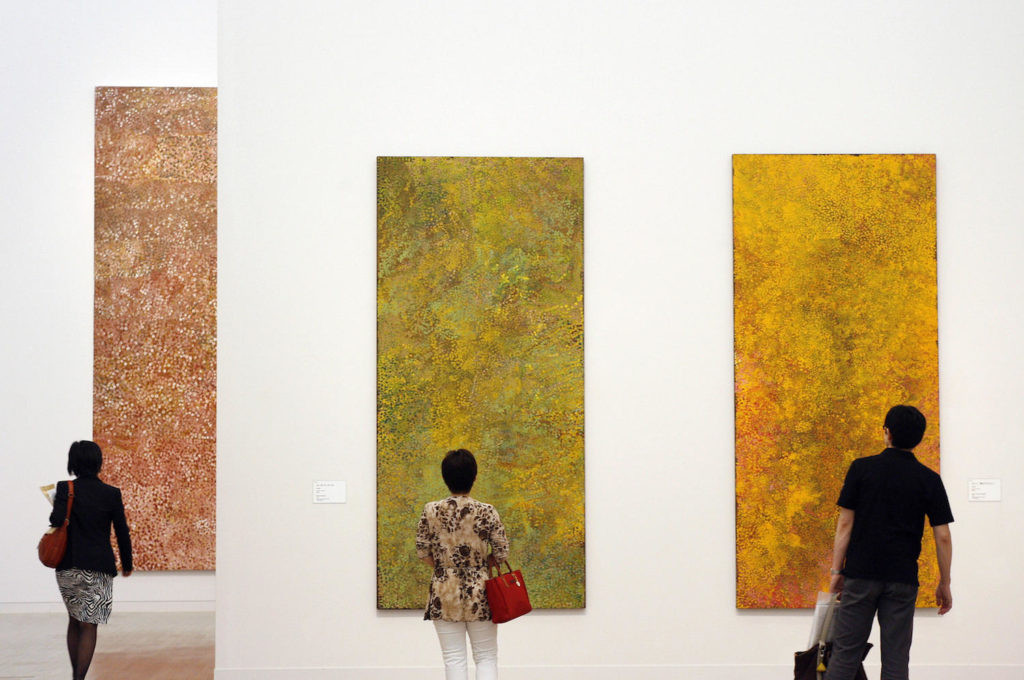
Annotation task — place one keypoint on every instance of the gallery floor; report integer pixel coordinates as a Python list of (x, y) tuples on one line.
[(133, 646)]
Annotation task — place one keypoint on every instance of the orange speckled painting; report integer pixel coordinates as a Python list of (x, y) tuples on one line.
[(835, 321), (155, 350), (480, 346)]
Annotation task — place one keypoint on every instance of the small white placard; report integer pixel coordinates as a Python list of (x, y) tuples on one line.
[(328, 492), (985, 490)]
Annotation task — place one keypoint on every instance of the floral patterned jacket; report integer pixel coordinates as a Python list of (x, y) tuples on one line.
[(459, 532)]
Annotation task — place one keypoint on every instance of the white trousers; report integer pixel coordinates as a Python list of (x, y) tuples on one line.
[(483, 635)]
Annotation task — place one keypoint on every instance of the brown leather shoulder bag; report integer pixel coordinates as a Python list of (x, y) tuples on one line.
[(54, 542)]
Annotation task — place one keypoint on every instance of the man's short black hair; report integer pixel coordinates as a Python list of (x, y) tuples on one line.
[(459, 470), (906, 426), (84, 459)]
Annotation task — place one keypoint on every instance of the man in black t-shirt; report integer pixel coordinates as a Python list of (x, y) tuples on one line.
[(882, 507)]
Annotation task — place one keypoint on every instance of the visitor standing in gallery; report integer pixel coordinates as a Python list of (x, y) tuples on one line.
[(85, 575), (882, 507), (458, 537)]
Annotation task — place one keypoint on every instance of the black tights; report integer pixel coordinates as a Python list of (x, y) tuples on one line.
[(81, 645)]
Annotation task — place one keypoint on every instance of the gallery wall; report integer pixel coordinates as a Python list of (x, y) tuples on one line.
[(655, 97), (54, 55)]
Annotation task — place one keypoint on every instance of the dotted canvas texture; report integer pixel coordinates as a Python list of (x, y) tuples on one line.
[(480, 346), (835, 322), (155, 332)]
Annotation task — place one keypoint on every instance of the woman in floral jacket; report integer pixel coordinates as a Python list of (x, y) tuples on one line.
[(458, 537)]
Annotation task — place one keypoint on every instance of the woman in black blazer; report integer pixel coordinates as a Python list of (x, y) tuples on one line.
[(85, 575)]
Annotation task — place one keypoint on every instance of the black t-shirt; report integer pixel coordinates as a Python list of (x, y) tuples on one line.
[(890, 494)]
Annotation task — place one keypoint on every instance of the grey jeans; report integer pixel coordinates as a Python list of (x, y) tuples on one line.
[(862, 599)]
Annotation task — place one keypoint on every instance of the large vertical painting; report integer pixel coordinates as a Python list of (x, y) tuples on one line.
[(155, 348), (480, 346), (835, 321)]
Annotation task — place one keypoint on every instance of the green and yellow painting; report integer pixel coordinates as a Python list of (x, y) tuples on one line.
[(835, 322), (480, 346)]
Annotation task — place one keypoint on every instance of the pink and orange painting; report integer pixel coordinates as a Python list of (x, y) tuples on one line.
[(835, 321), (155, 331)]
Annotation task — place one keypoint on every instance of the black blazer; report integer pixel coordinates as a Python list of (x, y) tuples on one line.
[(95, 508)]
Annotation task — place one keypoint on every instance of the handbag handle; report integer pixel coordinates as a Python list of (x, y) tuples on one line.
[(71, 498), (826, 628), (490, 569)]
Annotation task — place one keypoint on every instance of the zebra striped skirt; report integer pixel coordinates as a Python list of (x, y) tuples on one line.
[(88, 595)]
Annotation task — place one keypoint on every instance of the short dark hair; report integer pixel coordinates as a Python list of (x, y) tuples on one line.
[(906, 426), (84, 459), (459, 470)]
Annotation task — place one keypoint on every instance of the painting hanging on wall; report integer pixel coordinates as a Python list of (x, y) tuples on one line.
[(835, 321), (155, 343), (480, 346)]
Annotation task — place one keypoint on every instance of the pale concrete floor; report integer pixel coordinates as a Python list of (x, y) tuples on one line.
[(133, 646)]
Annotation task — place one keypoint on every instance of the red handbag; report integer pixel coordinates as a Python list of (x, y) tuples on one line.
[(506, 594), (54, 542)]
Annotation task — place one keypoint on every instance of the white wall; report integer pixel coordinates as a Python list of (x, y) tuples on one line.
[(52, 55), (655, 96)]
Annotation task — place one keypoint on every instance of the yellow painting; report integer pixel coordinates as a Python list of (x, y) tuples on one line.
[(480, 346), (835, 321)]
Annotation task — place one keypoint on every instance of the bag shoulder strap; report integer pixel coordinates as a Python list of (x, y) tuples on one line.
[(71, 498)]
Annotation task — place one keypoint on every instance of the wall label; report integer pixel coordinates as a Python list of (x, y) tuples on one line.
[(985, 490), (328, 491)]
